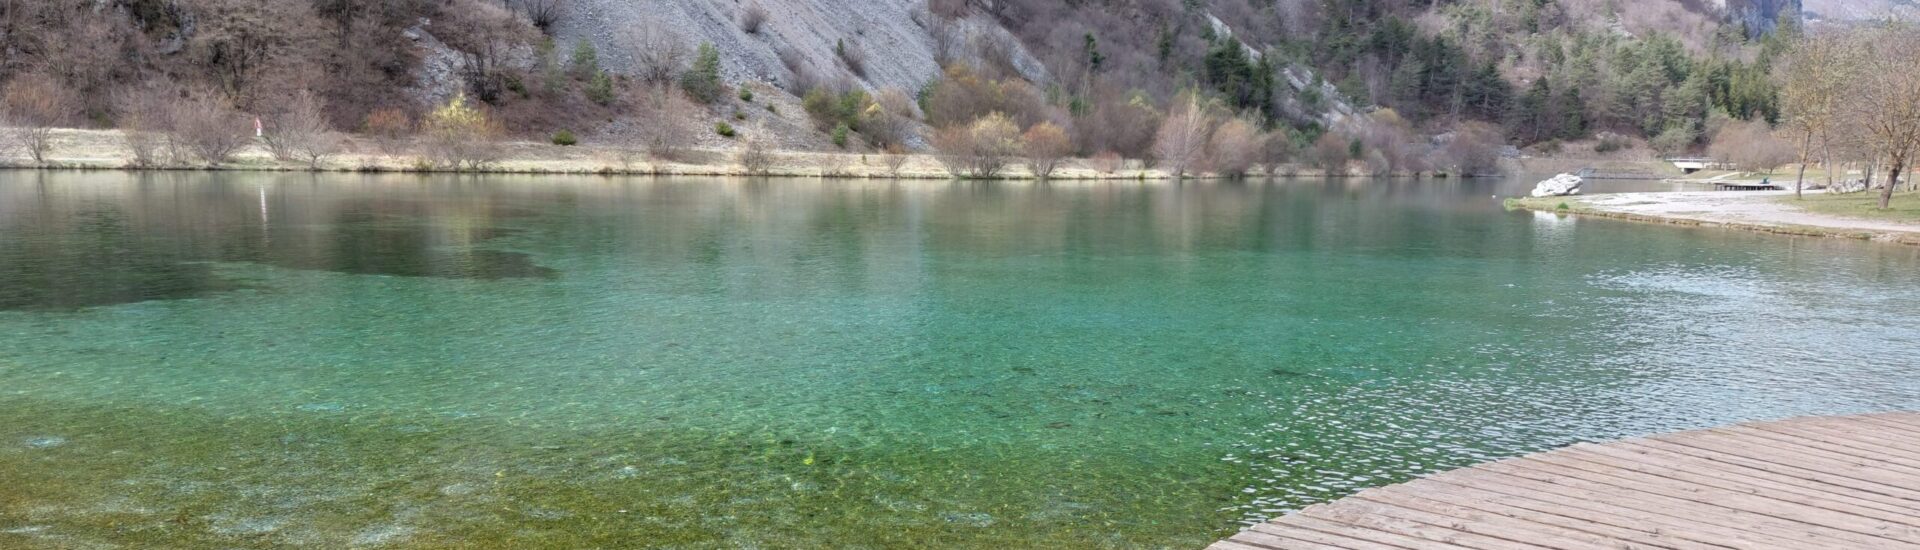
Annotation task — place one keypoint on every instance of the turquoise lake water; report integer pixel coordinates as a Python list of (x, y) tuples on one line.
[(288, 360)]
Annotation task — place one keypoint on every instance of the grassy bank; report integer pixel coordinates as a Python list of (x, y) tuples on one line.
[(1904, 208), (104, 150)]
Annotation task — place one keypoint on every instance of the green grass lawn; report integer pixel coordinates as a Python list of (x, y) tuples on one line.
[(1905, 206)]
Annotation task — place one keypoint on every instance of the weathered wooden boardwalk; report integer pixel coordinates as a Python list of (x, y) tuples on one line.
[(1845, 482)]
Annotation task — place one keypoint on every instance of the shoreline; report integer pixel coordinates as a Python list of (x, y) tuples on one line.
[(1761, 211), (82, 149)]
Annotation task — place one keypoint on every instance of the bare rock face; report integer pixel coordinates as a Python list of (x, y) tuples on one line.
[(897, 38), (1558, 186)]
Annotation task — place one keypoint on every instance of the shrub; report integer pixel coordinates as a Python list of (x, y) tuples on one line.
[(894, 159), (1610, 142), (1108, 162), (963, 95), (746, 94), (840, 135), (565, 138), (388, 127), (462, 136), (143, 122), (210, 128), (664, 113), (586, 61), (702, 82), (542, 13), (33, 105), (1330, 154), (1235, 148), (755, 156), (753, 18), (888, 119), (658, 54), (600, 89), (1045, 145), (829, 109), (1475, 149), (724, 129), (853, 56), (298, 131), (980, 149), (1183, 136)]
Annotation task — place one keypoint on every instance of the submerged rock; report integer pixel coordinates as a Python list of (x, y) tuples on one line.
[(1558, 186), (47, 442)]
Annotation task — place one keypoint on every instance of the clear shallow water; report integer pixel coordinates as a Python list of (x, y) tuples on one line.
[(258, 360)]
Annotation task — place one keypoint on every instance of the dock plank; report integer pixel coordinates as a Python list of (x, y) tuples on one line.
[(1817, 482)]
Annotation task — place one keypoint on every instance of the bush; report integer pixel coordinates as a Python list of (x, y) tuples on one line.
[(210, 128), (962, 96), (702, 82), (586, 61), (600, 89), (829, 109), (33, 105), (981, 149), (665, 113), (298, 131), (752, 19), (756, 157), (746, 94), (142, 122), (840, 135), (853, 56), (1610, 142), (1046, 144), (388, 127), (1108, 162), (894, 159), (658, 54), (461, 135), (1235, 148), (724, 129), (565, 138)]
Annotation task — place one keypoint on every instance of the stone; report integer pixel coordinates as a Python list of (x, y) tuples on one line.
[(1558, 186)]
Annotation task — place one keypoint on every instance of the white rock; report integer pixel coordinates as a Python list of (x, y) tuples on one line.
[(1558, 186)]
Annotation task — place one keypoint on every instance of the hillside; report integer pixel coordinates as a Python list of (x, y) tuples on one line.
[(865, 74)]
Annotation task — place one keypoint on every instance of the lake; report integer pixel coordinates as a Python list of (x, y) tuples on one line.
[(322, 361)]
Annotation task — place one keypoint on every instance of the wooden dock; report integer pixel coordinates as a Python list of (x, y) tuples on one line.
[(1847, 482)]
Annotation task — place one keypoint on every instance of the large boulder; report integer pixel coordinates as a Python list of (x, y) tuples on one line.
[(1558, 186)]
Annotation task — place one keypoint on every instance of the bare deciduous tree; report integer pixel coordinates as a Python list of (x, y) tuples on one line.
[(1046, 145), (461, 135), (143, 123), (1884, 102), (662, 115), (34, 104), (208, 127), (298, 131), (1813, 76), (1183, 136), (1750, 146), (659, 54), (756, 154), (894, 159)]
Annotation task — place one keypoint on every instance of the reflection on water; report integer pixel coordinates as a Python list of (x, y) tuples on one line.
[(212, 360)]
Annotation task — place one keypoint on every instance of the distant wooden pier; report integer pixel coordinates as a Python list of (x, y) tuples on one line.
[(1748, 186), (1847, 482)]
